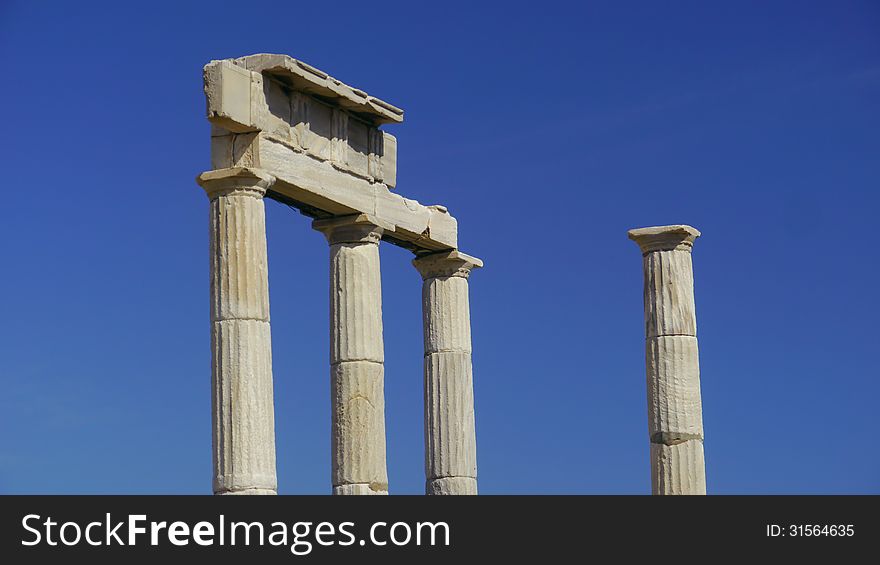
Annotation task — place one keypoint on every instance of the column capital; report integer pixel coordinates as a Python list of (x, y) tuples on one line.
[(235, 180), (356, 228), (452, 263), (665, 238)]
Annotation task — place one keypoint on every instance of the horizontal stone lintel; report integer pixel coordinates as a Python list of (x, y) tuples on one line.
[(320, 190)]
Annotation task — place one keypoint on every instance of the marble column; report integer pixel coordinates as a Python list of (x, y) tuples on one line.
[(356, 354), (675, 414), (450, 435), (242, 402)]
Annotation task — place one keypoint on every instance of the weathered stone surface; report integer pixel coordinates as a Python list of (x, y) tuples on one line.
[(450, 434), (320, 185), (306, 78), (235, 181), (442, 295), (442, 227), (243, 416), (358, 438), (450, 442), (679, 468), (352, 228), (383, 154), (325, 127), (357, 353), (243, 406), (320, 138), (451, 486), (410, 218), (664, 238), (250, 491), (239, 263), (449, 263), (358, 490), (357, 334), (674, 407), (355, 289), (675, 418), (228, 96), (669, 294), (349, 182), (221, 151), (316, 183), (321, 142)]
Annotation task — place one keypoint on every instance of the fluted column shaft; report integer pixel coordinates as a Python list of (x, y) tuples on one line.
[(242, 403), (450, 433), (356, 355), (675, 415)]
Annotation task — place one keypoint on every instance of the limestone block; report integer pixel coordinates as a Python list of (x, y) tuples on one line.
[(358, 490), (267, 98), (243, 406), (217, 131), (250, 491), (358, 430), (677, 237), (450, 442), (408, 216), (451, 486), (442, 227), (357, 147), (299, 120), (446, 314), (355, 303), (318, 136), (678, 469), (352, 228), (239, 264), (221, 151), (674, 405), (243, 101), (669, 294), (296, 103), (234, 150), (388, 160), (319, 185), (313, 182), (244, 150), (447, 263), (277, 98), (228, 94), (235, 181), (339, 138)]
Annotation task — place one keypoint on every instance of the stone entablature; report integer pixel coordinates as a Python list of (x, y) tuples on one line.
[(275, 113)]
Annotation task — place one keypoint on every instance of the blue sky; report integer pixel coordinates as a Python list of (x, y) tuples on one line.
[(548, 129)]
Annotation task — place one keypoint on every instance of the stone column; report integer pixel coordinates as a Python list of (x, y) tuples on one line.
[(675, 415), (242, 403), (450, 436), (356, 354)]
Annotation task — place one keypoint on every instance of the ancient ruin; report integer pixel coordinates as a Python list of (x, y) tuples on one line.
[(284, 130), (675, 413)]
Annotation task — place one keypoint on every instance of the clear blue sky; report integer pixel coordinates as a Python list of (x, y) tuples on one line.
[(548, 130)]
